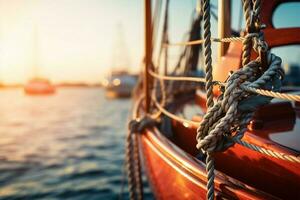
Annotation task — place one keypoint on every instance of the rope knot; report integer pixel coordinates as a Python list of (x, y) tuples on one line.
[(259, 44), (140, 124), (227, 119)]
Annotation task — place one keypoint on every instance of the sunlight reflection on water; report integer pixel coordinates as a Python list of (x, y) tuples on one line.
[(69, 145)]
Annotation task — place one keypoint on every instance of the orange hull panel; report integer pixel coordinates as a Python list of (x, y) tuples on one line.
[(174, 174), (39, 88)]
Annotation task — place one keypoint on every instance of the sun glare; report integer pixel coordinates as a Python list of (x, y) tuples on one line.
[(65, 41)]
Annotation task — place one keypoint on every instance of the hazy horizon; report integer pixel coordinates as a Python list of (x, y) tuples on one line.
[(81, 40), (67, 40)]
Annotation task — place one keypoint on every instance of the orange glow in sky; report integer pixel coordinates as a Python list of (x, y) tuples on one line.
[(79, 40), (68, 40)]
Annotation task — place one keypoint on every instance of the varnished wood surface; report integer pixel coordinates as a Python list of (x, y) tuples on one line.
[(275, 176), (174, 174)]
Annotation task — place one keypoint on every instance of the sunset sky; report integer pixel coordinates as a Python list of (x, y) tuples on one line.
[(73, 40), (76, 40)]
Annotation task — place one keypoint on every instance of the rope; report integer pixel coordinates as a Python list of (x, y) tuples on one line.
[(130, 167), (209, 93), (173, 116), (195, 42), (165, 38), (176, 78), (279, 95), (207, 54), (227, 119), (137, 169), (235, 104), (156, 115), (247, 41), (133, 165), (269, 152)]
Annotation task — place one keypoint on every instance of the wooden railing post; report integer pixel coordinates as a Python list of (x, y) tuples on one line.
[(148, 53)]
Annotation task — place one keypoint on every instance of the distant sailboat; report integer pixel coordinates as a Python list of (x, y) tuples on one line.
[(120, 83), (38, 85)]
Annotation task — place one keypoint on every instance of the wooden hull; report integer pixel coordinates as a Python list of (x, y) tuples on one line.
[(174, 171), (38, 91), (174, 174), (274, 176)]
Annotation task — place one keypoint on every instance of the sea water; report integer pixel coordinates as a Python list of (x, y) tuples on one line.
[(69, 145)]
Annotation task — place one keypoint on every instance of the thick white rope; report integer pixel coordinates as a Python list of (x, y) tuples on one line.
[(280, 95), (196, 42), (176, 78)]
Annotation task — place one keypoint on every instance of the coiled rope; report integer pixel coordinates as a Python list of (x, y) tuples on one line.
[(196, 42), (132, 162)]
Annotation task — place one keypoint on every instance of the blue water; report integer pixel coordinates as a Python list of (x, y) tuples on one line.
[(66, 146)]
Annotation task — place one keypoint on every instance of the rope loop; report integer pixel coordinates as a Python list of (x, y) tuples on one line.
[(227, 120), (138, 125)]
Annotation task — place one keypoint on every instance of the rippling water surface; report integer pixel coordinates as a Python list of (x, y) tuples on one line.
[(66, 146)]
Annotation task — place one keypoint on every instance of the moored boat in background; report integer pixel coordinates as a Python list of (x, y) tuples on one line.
[(120, 84), (39, 86)]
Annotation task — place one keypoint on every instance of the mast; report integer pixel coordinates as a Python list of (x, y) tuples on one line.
[(34, 61), (224, 29), (148, 53), (120, 51)]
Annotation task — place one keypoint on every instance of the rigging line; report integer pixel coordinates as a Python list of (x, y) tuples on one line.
[(210, 167), (164, 38), (269, 152), (173, 116), (183, 78), (213, 6), (195, 42), (156, 19), (173, 78), (184, 55), (279, 95), (214, 15), (163, 97), (240, 18)]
